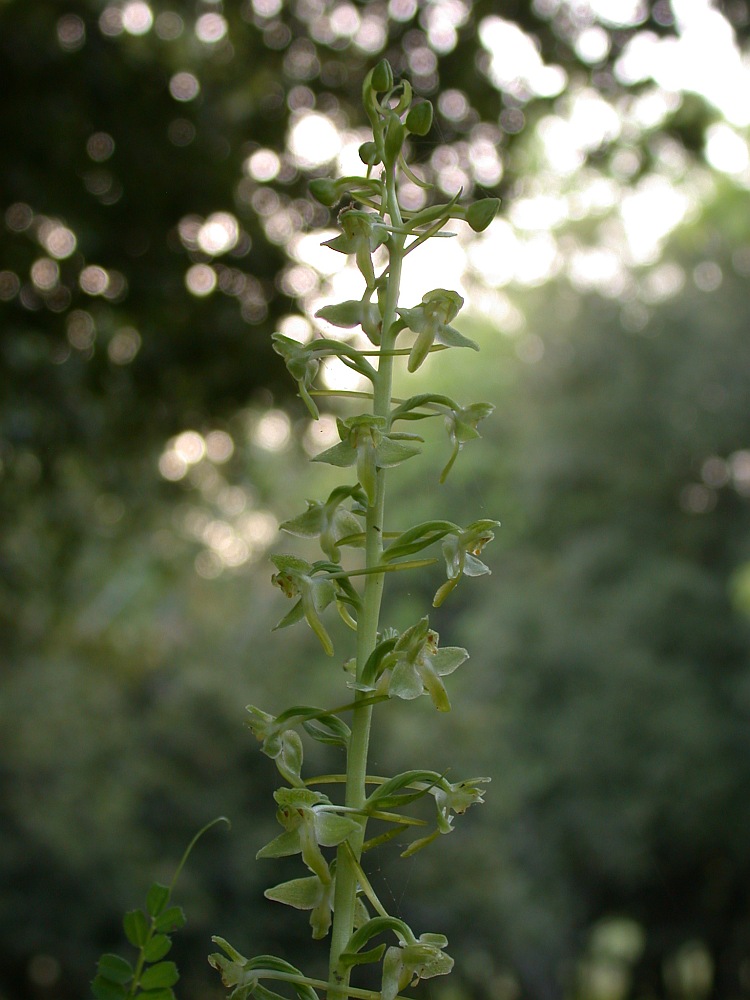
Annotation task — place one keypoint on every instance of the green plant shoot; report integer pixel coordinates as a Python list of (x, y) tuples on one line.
[(330, 834)]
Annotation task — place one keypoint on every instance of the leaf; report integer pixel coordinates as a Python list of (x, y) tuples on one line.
[(164, 974), (105, 989), (171, 919), (157, 898), (160, 994), (136, 927), (157, 948), (115, 969)]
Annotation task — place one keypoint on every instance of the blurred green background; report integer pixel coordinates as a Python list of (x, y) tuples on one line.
[(156, 230)]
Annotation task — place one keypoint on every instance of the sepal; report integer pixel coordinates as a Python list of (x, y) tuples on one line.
[(310, 893)]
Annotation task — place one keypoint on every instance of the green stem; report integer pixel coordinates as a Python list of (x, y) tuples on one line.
[(347, 864), (320, 984)]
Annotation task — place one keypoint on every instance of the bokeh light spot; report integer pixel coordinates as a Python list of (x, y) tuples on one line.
[(371, 36), (93, 280), (180, 132), (169, 25), (263, 165), (117, 286), (697, 498), (259, 527), (71, 32), (296, 327), (44, 971), (314, 140), (137, 17), (100, 146), (45, 274), (210, 28), (219, 446), (402, 10), (344, 20), (19, 217), (219, 233), (707, 276), (200, 280), (57, 240), (593, 44), (190, 446), (267, 8), (124, 345), (273, 431), (184, 86), (9, 285), (172, 466), (80, 330), (110, 21)]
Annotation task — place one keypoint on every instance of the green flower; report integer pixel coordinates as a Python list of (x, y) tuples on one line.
[(366, 444), (283, 746), (363, 233), (421, 959), (244, 974), (295, 579), (311, 893), (302, 366), (310, 822), (460, 550), (329, 520), (354, 312), (430, 321), (456, 798), (316, 894), (461, 424), (416, 665)]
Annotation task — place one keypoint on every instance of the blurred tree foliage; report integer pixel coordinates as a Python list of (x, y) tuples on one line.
[(612, 690)]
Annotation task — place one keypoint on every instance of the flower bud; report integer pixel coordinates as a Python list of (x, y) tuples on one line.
[(382, 76), (368, 153), (481, 213), (419, 119), (325, 191)]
